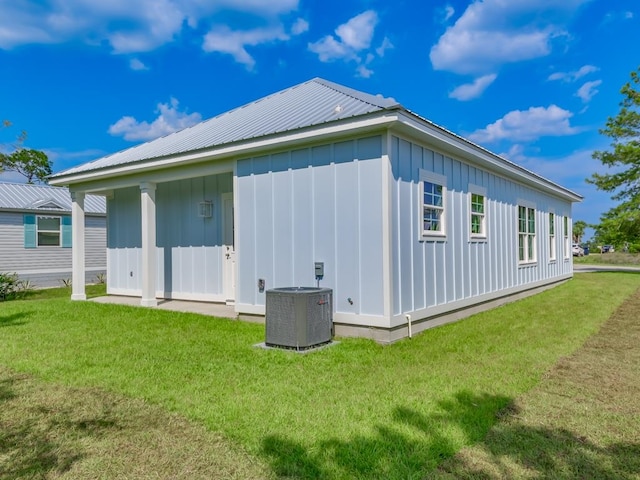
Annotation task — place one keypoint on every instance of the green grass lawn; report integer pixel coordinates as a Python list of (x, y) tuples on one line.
[(355, 410), (615, 258)]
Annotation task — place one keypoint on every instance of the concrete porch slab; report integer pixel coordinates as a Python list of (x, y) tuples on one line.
[(203, 308)]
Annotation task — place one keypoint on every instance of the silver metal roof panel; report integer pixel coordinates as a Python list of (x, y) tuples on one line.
[(22, 196), (311, 103)]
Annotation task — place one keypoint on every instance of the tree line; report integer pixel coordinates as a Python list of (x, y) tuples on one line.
[(620, 226)]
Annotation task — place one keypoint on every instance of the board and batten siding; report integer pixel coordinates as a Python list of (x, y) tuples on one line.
[(316, 204), (48, 266), (189, 247), (435, 275)]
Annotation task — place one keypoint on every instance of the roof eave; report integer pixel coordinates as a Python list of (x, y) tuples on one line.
[(361, 124), (409, 123)]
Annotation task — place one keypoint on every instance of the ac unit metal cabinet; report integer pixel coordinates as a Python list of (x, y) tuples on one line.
[(298, 317)]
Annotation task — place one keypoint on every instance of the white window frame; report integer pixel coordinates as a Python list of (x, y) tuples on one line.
[(565, 233), (552, 237), (527, 236), (438, 180), (477, 190), (40, 230)]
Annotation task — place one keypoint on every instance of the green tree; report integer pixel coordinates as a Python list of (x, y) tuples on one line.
[(578, 230), (623, 221), (32, 164)]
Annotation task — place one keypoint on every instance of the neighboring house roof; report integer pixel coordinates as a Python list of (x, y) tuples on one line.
[(34, 198), (309, 106)]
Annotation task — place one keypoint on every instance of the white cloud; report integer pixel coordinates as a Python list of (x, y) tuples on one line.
[(384, 46), (527, 125), (141, 25), (449, 11), (357, 33), (587, 91), (169, 120), (352, 42), (575, 75), (474, 89), (234, 43), (137, 64), (300, 26), (491, 33)]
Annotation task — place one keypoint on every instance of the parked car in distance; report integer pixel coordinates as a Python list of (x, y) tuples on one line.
[(607, 249), (577, 250)]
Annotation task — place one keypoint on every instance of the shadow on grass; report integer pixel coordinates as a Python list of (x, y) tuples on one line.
[(34, 440), (518, 450), (12, 319), (392, 453), (408, 447)]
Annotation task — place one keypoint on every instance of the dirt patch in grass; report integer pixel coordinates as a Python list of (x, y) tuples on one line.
[(53, 432), (582, 421)]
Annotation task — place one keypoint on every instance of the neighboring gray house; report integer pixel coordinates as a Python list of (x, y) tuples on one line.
[(415, 225), (35, 234)]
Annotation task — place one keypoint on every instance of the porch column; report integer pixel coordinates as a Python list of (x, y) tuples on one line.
[(77, 244), (148, 204)]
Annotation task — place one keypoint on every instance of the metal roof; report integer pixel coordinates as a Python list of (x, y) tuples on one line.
[(314, 102), (25, 197)]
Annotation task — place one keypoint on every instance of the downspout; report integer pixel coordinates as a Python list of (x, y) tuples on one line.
[(408, 317)]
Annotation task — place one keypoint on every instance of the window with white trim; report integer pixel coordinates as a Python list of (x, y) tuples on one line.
[(552, 236), (526, 234), (565, 234), (48, 231), (477, 212), (432, 204)]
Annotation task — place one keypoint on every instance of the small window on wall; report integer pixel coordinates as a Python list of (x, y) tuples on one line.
[(552, 236), (432, 204), (526, 234), (478, 209)]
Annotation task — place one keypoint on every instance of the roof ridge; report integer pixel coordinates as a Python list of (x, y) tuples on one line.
[(375, 100)]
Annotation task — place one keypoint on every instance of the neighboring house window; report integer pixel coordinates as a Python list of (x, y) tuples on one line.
[(478, 209), (565, 234), (526, 234), (432, 204), (552, 236), (47, 231)]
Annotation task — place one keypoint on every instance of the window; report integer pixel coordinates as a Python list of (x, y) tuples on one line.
[(526, 234), (552, 236), (432, 204), (48, 231), (565, 233), (477, 212)]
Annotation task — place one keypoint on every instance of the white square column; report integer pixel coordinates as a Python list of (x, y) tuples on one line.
[(148, 206), (77, 244)]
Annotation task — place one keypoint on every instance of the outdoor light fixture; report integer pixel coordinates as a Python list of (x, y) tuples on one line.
[(205, 209)]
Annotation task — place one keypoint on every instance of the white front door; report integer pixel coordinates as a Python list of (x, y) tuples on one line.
[(228, 249)]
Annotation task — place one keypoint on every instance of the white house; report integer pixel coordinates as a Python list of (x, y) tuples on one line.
[(415, 225), (35, 234)]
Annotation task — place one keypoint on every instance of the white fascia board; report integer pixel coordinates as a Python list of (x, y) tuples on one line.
[(449, 142), (287, 140)]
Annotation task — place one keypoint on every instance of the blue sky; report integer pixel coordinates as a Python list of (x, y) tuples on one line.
[(532, 80)]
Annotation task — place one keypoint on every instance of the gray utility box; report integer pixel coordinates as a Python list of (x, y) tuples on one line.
[(298, 317)]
